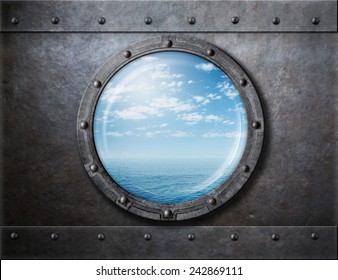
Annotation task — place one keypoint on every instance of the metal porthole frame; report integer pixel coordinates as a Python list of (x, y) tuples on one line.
[(186, 210)]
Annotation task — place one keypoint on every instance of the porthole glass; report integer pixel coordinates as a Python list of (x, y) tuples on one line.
[(170, 127)]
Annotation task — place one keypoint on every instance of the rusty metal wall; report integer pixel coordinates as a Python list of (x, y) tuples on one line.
[(43, 183)]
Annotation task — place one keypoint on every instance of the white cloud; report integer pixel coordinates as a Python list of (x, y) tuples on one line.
[(120, 134), (163, 125), (161, 71), (239, 109), (151, 134), (137, 113), (213, 118), (214, 96), (171, 104), (173, 86), (201, 99), (223, 134), (205, 67), (227, 89), (190, 82), (149, 58), (191, 119), (180, 134), (227, 122), (141, 128)]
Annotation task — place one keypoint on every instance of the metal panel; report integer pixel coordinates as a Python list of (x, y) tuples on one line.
[(169, 16), (169, 242), (43, 182)]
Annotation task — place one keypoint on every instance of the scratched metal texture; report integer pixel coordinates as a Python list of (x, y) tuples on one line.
[(169, 242), (45, 76), (43, 182)]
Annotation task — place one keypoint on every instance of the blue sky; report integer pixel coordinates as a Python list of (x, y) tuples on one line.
[(170, 104)]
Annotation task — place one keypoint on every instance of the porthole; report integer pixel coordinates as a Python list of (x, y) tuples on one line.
[(170, 128)]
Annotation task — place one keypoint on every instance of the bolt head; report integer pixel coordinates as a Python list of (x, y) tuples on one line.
[(191, 236), (127, 54), (314, 235), (212, 201), (100, 236), (315, 20), (97, 84), (94, 168), (235, 20), (234, 237), (54, 236), (243, 82), (84, 125), (101, 20), (276, 20), (124, 200), (168, 43), (55, 20), (210, 52), (256, 125), (14, 235), (168, 213), (148, 20), (245, 168), (147, 236), (15, 20), (275, 237), (192, 20)]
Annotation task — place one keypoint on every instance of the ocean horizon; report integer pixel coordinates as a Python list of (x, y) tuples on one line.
[(170, 179)]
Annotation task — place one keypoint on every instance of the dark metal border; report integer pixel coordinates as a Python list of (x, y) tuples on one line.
[(217, 197), (151, 242), (169, 16)]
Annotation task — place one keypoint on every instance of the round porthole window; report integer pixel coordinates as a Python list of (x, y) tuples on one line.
[(171, 128)]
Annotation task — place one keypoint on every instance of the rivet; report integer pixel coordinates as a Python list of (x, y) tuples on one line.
[(256, 124), (94, 167), (191, 236), (245, 168), (101, 20), (210, 52), (234, 237), (212, 201), (84, 124), (15, 20), (54, 236), (147, 236), (97, 84), (314, 235), (192, 20), (14, 235), (315, 20), (235, 20), (275, 237), (100, 236), (127, 54), (243, 82), (276, 20), (55, 20), (168, 43), (148, 20), (124, 200), (168, 213)]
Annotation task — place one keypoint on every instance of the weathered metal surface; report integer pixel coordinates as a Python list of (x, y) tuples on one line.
[(191, 209), (45, 76), (169, 16), (169, 243), (43, 182)]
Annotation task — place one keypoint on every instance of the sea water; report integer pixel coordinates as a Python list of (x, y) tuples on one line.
[(168, 180)]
